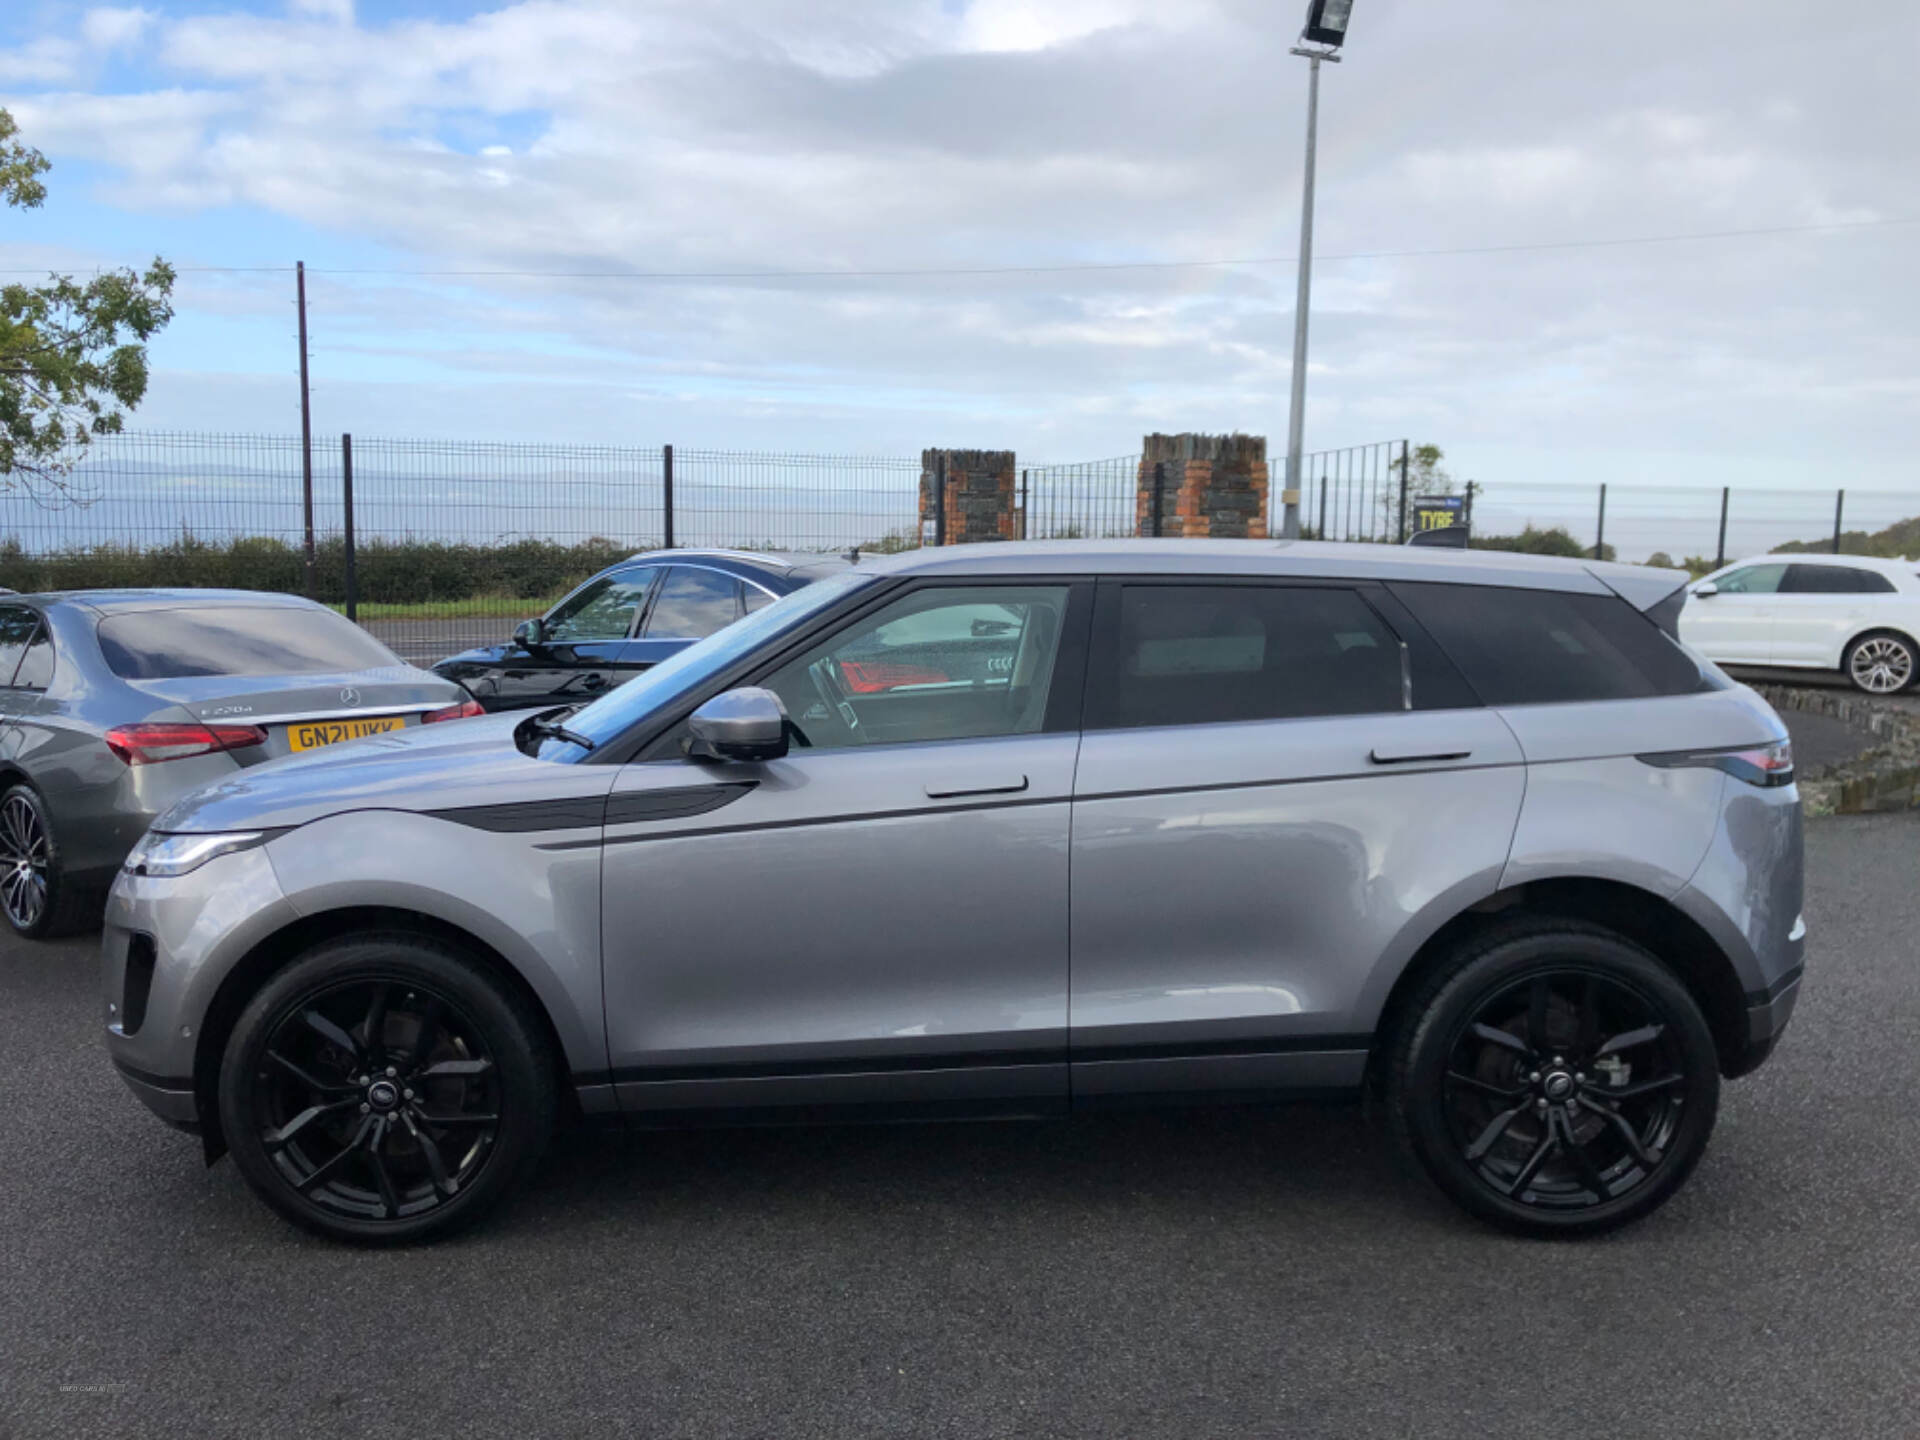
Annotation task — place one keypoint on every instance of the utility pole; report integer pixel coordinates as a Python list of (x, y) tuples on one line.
[(306, 425)]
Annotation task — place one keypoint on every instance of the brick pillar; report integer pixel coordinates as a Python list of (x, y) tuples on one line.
[(981, 495), (1216, 485)]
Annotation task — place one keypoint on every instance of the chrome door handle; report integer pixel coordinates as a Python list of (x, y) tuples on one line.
[(948, 789), (1382, 755)]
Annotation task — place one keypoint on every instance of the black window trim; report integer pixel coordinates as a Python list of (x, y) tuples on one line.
[(1064, 701), (1104, 637)]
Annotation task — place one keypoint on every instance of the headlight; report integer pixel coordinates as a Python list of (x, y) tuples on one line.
[(170, 855)]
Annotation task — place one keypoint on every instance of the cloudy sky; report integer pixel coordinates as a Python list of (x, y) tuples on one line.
[(559, 139)]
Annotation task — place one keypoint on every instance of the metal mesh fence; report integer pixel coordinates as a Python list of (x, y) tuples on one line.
[(456, 541)]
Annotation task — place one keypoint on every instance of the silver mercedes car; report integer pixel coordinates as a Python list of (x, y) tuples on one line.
[(115, 703), (1013, 829)]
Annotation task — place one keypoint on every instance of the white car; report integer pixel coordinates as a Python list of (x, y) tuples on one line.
[(1850, 613)]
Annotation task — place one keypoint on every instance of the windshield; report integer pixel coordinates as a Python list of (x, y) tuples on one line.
[(615, 711)]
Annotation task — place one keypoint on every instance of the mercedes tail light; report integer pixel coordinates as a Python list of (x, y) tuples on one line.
[(465, 710), (152, 744), (1765, 766)]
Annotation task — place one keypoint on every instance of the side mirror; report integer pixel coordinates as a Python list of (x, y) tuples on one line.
[(1706, 590), (745, 724), (531, 634)]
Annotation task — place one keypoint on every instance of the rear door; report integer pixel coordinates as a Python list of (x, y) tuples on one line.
[(693, 602), (18, 626), (1735, 623), (1277, 782), (1821, 607)]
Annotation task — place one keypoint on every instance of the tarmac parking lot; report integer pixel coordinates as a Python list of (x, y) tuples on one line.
[(1234, 1273)]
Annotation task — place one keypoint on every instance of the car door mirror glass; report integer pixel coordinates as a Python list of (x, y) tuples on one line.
[(749, 723)]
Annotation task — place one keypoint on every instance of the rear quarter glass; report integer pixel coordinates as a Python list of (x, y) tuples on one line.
[(1533, 647)]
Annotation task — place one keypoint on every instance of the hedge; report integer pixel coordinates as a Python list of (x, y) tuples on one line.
[(396, 572)]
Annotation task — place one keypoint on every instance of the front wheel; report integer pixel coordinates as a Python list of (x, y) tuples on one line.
[(385, 1089), (1882, 664), (1555, 1079)]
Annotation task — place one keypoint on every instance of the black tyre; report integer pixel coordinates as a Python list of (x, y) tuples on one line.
[(39, 899), (385, 1089), (1884, 662), (1554, 1079)]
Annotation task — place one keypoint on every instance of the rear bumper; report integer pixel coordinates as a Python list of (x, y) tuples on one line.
[(1768, 1012)]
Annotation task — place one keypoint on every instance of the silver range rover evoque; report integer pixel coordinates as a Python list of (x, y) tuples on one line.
[(1013, 829)]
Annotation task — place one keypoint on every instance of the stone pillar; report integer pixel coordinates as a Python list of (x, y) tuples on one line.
[(981, 495), (1215, 486)]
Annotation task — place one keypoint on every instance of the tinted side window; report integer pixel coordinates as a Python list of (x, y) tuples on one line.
[(1202, 654), (17, 624), (754, 596), (1833, 580), (1533, 647), (36, 665), (693, 604)]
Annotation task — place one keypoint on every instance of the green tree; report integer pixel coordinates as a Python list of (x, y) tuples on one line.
[(73, 357), (1425, 476)]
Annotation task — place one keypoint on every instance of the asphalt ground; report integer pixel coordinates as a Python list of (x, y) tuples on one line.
[(1180, 1273)]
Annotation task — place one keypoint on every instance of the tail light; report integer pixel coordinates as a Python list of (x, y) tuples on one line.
[(465, 710), (152, 744), (1766, 766)]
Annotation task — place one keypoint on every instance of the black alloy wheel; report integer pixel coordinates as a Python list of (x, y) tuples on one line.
[(383, 1089), (1560, 1080)]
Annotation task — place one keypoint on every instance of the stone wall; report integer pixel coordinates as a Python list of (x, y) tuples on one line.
[(980, 495), (1215, 486), (1884, 777)]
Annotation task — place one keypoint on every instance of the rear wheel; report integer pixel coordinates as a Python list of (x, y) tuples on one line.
[(39, 899), (1881, 664), (383, 1089), (1555, 1079)]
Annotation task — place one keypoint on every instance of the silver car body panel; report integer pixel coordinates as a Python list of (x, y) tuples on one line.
[(864, 911), (1235, 887), (999, 923)]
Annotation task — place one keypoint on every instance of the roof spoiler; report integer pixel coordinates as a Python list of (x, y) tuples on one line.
[(1657, 594)]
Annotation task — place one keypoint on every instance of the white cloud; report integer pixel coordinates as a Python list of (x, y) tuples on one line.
[(49, 59), (554, 135), (107, 28)]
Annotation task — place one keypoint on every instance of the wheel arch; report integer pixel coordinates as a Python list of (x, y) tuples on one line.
[(1906, 634), (1654, 923), (274, 952)]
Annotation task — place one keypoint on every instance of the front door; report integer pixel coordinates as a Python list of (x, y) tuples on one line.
[(1735, 623), (881, 916), (1261, 813)]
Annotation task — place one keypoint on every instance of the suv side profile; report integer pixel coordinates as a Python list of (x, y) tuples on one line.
[(1009, 830), (1856, 614)]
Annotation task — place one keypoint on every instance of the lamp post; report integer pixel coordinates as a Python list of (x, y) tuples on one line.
[(1325, 32)]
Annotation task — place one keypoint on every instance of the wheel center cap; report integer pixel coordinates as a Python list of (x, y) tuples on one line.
[(1558, 1085), (383, 1095)]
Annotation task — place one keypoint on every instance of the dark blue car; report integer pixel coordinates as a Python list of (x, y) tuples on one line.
[(626, 618)]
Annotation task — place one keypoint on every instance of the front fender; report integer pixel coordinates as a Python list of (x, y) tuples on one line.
[(531, 896)]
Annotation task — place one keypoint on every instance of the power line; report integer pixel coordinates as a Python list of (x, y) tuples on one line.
[(1083, 267)]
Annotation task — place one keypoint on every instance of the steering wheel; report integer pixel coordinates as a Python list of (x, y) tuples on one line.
[(835, 699)]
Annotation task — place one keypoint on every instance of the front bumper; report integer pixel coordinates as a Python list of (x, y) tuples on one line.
[(165, 948)]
